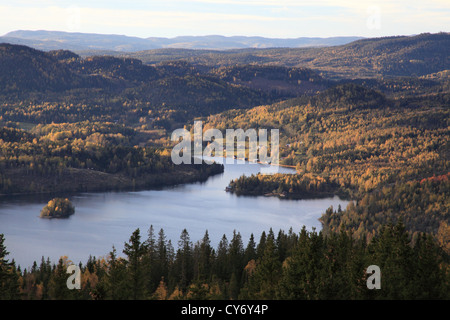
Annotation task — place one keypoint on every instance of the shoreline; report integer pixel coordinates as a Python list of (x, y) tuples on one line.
[(257, 162), (119, 183)]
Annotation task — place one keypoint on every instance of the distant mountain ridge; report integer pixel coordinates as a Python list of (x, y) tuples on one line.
[(54, 40), (366, 58)]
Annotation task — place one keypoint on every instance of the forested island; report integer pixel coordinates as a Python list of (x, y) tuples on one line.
[(58, 208)]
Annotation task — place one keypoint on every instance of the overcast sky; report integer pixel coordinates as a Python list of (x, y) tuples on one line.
[(267, 18)]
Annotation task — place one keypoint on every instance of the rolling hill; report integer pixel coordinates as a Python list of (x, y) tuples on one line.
[(405, 56), (53, 40), (367, 58), (62, 86)]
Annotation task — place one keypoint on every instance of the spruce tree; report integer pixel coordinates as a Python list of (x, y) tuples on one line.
[(294, 280), (151, 274), (9, 285), (261, 245), (250, 250), (205, 258), (184, 261), (392, 252), (58, 283), (135, 251), (117, 284), (263, 283), (236, 255), (161, 266), (221, 266), (429, 276)]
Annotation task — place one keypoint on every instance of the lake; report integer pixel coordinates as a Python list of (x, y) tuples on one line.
[(102, 220)]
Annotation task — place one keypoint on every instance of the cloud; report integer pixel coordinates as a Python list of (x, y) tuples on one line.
[(84, 19), (272, 18)]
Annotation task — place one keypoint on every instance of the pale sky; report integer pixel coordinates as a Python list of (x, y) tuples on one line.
[(267, 18)]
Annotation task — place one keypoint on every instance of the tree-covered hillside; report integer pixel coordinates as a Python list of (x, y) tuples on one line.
[(80, 157), (357, 143), (367, 58), (60, 86)]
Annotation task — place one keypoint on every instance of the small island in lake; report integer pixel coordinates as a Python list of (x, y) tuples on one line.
[(58, 208)]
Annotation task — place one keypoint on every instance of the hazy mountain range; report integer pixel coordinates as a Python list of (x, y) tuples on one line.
[(53, 40)]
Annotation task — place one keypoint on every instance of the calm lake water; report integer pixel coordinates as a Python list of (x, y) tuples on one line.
[(102, 220)]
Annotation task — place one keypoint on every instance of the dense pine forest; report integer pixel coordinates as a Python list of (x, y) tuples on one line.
[(284, 265), (367, 121)]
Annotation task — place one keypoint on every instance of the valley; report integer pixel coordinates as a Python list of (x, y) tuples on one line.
[(364, 124)]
